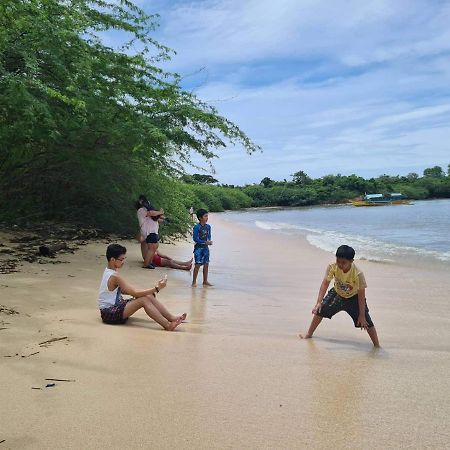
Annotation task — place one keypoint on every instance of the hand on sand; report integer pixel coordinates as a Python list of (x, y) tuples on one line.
[(304, 336), (362, 323)]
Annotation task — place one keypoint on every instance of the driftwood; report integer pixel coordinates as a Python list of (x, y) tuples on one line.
[(52, 340), (57, 379), (31, 354)]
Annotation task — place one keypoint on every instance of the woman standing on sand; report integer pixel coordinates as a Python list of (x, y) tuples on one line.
[(149, 220)]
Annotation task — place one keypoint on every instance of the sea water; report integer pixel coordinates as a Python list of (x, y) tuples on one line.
[(417, 233)]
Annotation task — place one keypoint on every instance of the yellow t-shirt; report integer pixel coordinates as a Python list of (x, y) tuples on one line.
[(348, 283)]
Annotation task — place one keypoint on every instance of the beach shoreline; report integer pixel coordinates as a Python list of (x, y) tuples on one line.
[(235, 375)]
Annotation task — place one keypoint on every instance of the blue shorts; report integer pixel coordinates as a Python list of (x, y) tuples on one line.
[(201, 255)]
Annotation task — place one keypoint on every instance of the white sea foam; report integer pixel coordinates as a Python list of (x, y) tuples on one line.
[(366, 248)]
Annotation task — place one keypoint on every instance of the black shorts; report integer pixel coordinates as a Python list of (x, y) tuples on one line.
[(114, 314), (152, 238), (332, 303)]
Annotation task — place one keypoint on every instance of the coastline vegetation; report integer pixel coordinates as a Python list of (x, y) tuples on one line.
[(304, 191)]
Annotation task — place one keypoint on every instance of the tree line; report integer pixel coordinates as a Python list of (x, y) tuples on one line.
[(303, 190)]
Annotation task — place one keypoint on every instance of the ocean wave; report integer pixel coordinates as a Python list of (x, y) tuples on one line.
[(366, 248)]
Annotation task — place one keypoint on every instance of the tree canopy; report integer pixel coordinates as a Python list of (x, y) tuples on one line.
[(84, 126)]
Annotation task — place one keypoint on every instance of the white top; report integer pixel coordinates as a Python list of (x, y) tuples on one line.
[(146, 224), (107, 298)]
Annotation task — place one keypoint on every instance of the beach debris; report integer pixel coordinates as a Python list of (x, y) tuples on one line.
[(52, 340), (59, 379), (3, 440), (5, 310), (51, 249), (3, 328), (42, 242), (8, 266), (50, 385), (31, 354), (37, 388)]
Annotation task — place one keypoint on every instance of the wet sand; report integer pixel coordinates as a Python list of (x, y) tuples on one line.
[(235, 375)]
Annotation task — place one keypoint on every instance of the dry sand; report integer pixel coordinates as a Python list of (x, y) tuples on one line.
[(235, 376)]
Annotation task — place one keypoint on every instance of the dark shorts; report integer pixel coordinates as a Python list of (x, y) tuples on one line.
[(332, 303), (114, 314), (152, 238), (201, 255)]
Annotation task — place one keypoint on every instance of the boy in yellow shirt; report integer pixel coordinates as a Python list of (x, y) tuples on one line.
[(348, 294)]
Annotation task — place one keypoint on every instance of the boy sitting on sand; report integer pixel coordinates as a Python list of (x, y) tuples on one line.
[(116, 310), (348, 294), (202, 239)]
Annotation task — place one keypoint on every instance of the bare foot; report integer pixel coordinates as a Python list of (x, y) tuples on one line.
[(183, 316), (194, 284), (207, 283), (304, 336), (174, 324)]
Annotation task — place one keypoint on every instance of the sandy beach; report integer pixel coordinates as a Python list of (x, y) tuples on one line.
[(236, 375)]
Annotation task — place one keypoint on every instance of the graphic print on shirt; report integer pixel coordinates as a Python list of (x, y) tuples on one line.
[(203, 233), (344, 287)]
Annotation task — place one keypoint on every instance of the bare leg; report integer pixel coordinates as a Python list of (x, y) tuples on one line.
[(162, 309), (372, 332), (194, 276), (205, 275), (151, 311), (174, 265), (164, 256), (151, 249), (143, 249), (183, 263), (314, 324)]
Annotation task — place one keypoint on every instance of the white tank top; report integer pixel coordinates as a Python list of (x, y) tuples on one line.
[(107, 298)]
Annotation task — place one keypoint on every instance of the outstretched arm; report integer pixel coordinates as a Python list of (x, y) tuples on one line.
[(116, 280), (322, 291), (362, 322), (153, 213)]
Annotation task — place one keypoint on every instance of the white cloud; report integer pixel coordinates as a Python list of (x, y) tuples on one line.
[(324, 86)]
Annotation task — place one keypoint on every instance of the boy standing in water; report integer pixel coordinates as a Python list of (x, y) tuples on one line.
[(202, 239), (348, 294), (116, 310)]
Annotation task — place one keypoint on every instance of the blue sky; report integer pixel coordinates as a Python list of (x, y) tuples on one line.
[(324, 86)]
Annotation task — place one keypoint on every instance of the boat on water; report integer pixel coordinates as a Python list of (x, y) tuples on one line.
[(394, 198)]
